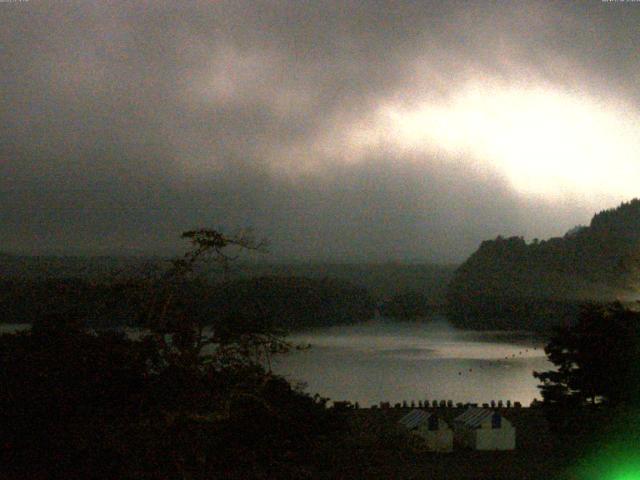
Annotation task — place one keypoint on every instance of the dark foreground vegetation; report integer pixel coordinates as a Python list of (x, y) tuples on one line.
[(192, 395), (597, 362), (178, 401), (591, 399), (510, 283), (85, 405)]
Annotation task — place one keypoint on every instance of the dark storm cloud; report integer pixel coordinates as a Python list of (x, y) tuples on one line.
[(124, 124)]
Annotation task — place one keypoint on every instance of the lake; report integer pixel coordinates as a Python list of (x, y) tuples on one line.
[(395, 361), (390, 361)]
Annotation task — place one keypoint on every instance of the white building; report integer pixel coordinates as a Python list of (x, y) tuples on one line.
[(435, 432), (484, 429)]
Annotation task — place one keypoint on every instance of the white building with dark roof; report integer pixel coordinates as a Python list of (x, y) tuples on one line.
[(484, 429), (435, 432)]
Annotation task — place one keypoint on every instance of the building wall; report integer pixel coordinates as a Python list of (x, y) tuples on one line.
[(465, 438), (440, 440), (485, 437)]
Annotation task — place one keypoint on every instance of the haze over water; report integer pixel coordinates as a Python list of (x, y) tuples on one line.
[(394, 361)]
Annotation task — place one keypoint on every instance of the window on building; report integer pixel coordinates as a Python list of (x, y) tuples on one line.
[(433, 423), (496, 420)]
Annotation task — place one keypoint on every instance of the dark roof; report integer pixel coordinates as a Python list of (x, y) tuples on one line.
[(414, 418), (473, 417)]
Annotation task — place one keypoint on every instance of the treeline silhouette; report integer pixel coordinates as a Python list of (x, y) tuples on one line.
[(510, 283), (410, 305), (291, 302), (297, 302), (381, 280)]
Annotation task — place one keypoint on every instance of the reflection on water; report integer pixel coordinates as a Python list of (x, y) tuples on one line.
[(389, 361)]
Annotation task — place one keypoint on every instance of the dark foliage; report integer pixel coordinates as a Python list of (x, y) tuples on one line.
[(505, 312), (289, 302), (80, 404), (597, 262), (65, 391), (409, 306), (295, 302), (178, 402), (598, 366)]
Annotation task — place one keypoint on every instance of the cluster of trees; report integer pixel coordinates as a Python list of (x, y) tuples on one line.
[(409, 305), (597, 262), (105, 288), (296, 302), (291, 302), (597, 361), (510, 312)]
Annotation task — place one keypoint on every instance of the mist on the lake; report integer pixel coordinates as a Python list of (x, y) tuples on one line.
[(415, 361)]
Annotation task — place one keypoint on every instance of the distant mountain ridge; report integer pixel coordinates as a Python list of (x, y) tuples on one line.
[(507, 277)]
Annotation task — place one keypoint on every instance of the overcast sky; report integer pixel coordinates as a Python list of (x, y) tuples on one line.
[(344, 130)]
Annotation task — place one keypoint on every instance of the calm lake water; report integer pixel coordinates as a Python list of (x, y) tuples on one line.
[(395, 361)]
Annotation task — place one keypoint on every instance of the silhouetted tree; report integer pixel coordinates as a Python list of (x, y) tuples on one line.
[(597, 360), (180, 401), (170, 309)]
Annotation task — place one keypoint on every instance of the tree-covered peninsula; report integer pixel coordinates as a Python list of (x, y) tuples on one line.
[(510, 283)]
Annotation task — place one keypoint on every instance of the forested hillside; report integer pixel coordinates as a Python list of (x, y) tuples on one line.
[(508, 282), (107, 289), (284, 302), (294, 302), (382, 280)]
